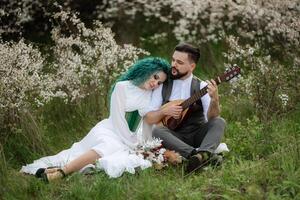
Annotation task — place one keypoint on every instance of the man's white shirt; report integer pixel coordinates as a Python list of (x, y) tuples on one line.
[(181, 89)]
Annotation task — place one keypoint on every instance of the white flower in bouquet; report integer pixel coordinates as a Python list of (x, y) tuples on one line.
[(153, 151)]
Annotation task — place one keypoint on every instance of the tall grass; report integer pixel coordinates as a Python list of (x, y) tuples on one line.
[(3, 170), (263, 164)]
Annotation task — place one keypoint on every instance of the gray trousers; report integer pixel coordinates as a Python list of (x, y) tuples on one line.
[(205, 138)]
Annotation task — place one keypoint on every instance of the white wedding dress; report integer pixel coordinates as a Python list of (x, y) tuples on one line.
[(111, 138)]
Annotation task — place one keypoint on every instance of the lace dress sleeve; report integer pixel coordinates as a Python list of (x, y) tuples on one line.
[(117, 115)]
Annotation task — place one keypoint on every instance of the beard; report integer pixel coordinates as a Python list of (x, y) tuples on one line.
[(178, 74)]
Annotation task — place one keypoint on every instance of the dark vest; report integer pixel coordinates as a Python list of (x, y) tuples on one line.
[(196, 119)]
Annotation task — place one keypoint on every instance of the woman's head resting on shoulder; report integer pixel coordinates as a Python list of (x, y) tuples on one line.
[(147, 73)]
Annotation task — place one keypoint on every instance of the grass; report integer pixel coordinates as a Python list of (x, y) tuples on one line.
[(263, 164)]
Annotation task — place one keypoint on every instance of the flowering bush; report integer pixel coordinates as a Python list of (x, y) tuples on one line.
[(14, 14), (86, 60), (21, 77), (82, 61), (268, 84), (274, 21), (22, 84), (268, 32), (201, 21)]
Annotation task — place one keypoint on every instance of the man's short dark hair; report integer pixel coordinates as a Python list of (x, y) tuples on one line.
[(193, 52)]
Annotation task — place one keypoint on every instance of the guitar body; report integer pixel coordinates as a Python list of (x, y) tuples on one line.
[(171, 122)]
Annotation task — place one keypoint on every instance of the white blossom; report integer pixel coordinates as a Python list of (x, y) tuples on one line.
[(88, 61), (252, 18), (284, 99), (264, 78), (21, 77)]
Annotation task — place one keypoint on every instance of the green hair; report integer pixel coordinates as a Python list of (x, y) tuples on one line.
[(142, 70)]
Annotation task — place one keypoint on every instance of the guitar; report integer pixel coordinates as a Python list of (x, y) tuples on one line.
[(173, 123)]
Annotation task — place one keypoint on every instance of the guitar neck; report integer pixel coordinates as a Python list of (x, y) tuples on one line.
[(197, 95)]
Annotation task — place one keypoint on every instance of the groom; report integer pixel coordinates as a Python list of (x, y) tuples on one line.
[(198, 136)]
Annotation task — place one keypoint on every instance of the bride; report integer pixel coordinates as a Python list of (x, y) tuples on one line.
[(111, 140)]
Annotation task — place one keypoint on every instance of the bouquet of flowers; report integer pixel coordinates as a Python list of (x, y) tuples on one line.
[(160, 157)]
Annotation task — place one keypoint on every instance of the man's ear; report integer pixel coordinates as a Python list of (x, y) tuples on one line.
[(193, 66)]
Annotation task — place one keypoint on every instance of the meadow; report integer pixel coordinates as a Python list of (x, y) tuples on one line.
[(263, 163), (58, 61)]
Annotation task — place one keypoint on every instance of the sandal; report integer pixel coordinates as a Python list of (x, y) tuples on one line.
[(52, 176), (40, 171)]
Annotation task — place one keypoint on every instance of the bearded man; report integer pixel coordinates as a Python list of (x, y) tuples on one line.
[(197, 137)]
